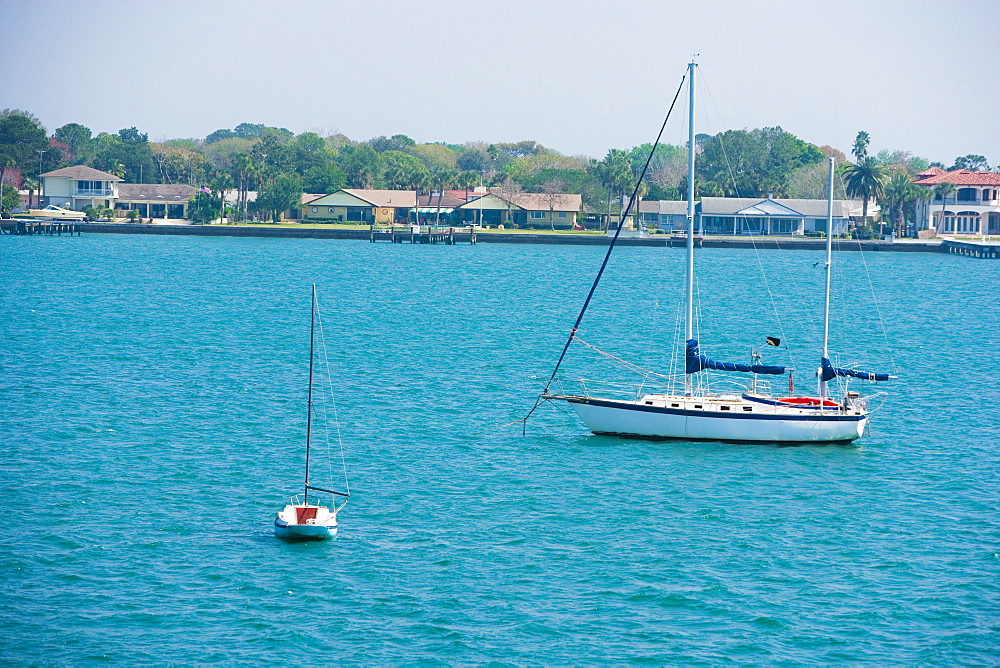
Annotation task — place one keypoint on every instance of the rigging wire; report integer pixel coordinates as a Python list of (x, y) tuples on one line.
[(607, 256), (333, 403)]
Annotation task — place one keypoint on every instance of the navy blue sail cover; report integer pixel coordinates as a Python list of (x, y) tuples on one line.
[(695, 362), (830, 372)]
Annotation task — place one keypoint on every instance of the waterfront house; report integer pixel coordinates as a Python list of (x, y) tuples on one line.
[(972, 209), (79, 186), (353, 205), (525, 209), (667, 215), (154, 200)]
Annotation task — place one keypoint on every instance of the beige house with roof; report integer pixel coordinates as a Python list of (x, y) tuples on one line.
[(79, 186), (524, 209), (154, 200), (352, 205)]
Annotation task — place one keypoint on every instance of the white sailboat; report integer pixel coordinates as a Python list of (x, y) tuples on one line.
[(301, 520), (750, 415)]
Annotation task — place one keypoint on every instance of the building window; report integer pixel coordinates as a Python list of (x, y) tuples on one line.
[(536, 215), (329, 209), (315, 209), (562, 214)]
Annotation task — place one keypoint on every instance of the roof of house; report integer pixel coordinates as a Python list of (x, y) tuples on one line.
[(748, 206), (386, 198), (960, 177), (446, 200), (156, 191), (663, 206), (82, 172)]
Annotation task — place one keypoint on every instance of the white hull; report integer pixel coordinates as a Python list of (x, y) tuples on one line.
[(718, 418), (305, 522)]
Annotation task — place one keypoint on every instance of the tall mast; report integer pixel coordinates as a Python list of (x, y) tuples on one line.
[(829, 262), (312, 338), (689, 299)]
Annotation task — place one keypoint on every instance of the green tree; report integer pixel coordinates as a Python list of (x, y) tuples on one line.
[(860, 149), (753, 163), (31, 184), (867, 180), (219, 181), (9, 198), (21, 137), (972, 162), (404, 171), (900, 194), (615, 173), (279, 195), (324, 179), (435, 156), (363, 166), (80, 140), (130, 148), (203, 208)]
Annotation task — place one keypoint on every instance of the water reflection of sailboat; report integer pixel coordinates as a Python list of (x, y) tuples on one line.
[(752, 415)]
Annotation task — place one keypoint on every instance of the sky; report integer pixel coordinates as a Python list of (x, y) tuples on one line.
[(578, 76)]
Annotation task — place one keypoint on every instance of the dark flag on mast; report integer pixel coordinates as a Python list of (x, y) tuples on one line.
[(773, 341)]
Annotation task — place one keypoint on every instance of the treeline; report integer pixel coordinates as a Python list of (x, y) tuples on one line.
[(281, 165)]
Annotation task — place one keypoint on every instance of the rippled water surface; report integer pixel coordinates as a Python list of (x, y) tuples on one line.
[(152, 417)]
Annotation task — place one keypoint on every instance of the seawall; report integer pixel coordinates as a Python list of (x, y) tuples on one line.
[(655, 241)]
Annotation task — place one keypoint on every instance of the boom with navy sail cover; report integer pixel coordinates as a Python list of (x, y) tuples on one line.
[(695, 362), (830, 372)]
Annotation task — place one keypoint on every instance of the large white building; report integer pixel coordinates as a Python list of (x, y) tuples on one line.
[(79, 186), (972, 209)]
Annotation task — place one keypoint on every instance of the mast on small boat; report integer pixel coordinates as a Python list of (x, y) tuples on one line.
[(309, 401), (829, 264), (689, 295)]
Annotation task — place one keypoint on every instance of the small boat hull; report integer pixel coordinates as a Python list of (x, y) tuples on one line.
[(301, 532), (302, 522), (761, 424)]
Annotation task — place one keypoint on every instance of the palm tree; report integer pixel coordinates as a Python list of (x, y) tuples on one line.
[(866, 180), (942, 190), (899, 194), (31, 184), (860, 149), (442, 178)]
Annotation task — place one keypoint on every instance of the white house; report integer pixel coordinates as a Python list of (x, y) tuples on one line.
[(79, 186), (972, 209)]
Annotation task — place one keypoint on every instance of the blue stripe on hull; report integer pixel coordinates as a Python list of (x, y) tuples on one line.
[(734, 415)]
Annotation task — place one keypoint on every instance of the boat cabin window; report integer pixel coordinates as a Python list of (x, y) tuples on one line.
[(674, 405), (697, 405), (649, 403), (748, 408), (725, 408)]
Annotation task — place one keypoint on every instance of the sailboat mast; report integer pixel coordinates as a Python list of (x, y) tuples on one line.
[(689, 298), (312, 339), (829, 263)]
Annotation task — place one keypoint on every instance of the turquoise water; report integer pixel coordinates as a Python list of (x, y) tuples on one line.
[(152, 397)]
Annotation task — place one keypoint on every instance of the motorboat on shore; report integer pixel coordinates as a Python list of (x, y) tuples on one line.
[(53, 212)]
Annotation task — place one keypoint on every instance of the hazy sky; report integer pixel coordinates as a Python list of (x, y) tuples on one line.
[(577, 76)]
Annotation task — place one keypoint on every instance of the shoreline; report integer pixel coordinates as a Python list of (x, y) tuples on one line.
[(654, 241)]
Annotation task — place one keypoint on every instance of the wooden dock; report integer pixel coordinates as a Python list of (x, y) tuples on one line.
[(972, 249), (49, 227), (422, 234)]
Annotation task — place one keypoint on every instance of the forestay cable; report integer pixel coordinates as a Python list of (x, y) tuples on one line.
[(607, 256)]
